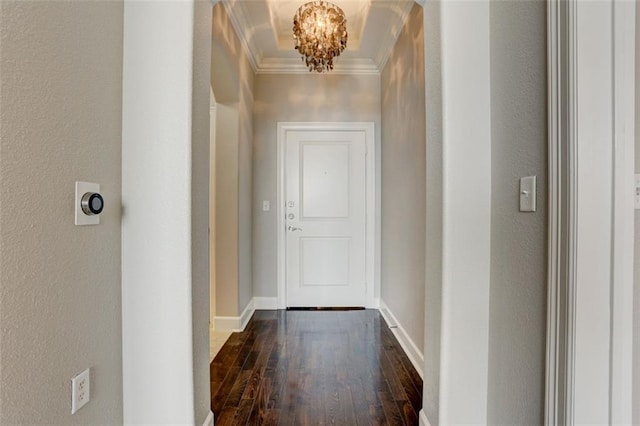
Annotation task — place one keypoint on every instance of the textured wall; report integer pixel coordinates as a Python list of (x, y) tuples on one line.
[(305, 97), (433, 231), (60, 121), (402, 282), (245, 185), (226, 238), (200, 145), (232, 82), (518, 240)]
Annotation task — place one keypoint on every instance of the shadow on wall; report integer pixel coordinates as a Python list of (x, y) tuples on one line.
[(232, 84), (321, 95), (407, 70), (224, 54)]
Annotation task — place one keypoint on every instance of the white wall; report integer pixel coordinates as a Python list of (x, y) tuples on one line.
[(467, 211), (303, 97), (165, 155), (60, 121), (518, 240), (402, 279)]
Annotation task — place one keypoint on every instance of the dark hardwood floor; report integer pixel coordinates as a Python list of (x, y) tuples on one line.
[(314, 368)]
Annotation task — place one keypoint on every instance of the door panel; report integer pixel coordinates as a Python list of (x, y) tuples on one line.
[(325, 261), (325, 180), (325, 184)]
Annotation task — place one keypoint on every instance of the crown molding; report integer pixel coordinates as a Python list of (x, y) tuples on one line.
[(392, 36), (271, 65), (237, 16), (296, 66)]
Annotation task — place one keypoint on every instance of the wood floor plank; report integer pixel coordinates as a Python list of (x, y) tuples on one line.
[(409, 415), (220, 398), (391, 411), (314, 367)]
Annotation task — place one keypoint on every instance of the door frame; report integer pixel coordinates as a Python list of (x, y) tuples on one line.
[(372, 233), (567, 325)]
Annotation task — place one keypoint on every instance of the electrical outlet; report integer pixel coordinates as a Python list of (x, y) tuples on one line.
[(80, 390)]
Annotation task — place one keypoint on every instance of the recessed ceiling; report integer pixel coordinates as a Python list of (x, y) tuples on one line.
[(265, 29)]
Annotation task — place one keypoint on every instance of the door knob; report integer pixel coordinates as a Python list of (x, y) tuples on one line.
[(293, 228)]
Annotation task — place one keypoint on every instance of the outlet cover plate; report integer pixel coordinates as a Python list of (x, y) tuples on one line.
[(80, 390), (81, 218)]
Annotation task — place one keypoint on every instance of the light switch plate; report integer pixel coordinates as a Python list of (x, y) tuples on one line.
[(266, 205), (528, 194), (81, 218)]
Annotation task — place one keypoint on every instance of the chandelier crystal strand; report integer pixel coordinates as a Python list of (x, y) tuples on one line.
[(320, 34)]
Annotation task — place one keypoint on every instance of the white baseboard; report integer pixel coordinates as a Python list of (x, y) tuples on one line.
[(423, 419), (235, 323), (265, 303), (247, 314), (209, 420), (413, 353), (376, 303), (226, 323)]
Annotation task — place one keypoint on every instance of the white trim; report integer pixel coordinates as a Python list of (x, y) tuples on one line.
[(414, 354), (247, 314), (236, 13), (424, 421), (226, 323), (372, 239), (209, 420), (295, 66), (235, 324), (353, 66), (265, 303), (587, 364), (622, 257), (554, 411), (396, 27)]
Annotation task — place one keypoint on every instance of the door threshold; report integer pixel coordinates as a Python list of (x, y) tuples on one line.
[(325, 308)]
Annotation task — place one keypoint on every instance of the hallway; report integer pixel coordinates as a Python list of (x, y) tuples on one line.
[(314, 367)]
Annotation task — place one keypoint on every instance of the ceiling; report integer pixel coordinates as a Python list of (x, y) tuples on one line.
[(265, 29)]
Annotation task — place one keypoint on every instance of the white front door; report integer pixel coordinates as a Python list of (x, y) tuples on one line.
[(326, 205)]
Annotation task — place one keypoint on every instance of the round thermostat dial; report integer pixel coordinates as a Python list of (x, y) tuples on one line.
[(92, 203)]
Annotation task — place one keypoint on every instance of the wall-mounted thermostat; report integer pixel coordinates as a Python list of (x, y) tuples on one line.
[(89, 203), (92, 203)]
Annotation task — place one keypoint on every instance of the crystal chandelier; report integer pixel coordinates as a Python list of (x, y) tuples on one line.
[(320, 34)]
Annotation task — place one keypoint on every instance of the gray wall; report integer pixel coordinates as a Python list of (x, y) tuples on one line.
[(402, 280), (304, 97), (433, 231), (232, 81), (60, 121), (226, 215), (518, 240), (636, 310)]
